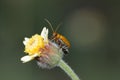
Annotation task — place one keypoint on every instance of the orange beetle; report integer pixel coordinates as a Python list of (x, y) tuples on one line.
[(59, 39), (57, 36)]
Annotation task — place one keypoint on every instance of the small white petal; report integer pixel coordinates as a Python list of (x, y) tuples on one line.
[(47, 33), (26, 38), (25, 41), (26, 59), (44, 34)]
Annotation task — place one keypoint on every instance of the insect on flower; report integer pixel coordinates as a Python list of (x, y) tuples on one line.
[(48, 52), (40, 48), (59, 39)]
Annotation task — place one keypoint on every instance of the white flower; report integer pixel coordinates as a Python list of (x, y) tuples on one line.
[(34, 45)]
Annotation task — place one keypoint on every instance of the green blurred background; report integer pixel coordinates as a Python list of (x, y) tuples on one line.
[(92, 27)]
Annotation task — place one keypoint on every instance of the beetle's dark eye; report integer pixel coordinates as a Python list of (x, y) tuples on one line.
[(54, 34)]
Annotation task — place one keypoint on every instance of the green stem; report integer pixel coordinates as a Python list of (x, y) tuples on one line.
[(68, 70)]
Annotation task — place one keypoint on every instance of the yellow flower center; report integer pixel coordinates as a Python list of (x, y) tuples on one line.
[(34, 45)]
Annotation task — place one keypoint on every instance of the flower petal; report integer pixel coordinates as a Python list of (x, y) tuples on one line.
[(25, 41), (26, 59), (44, 34)]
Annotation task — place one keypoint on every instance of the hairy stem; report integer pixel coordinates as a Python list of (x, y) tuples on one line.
[(63, 65)]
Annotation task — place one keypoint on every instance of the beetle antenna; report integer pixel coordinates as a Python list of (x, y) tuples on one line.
[(49, 24), (58, 26)]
